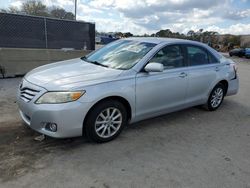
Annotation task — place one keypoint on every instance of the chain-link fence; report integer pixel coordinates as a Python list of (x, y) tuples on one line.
[(21, 31)]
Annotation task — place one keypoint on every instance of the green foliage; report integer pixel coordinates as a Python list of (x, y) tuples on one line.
[(37, 8), (168, 33), (128, 34), (61, 13)]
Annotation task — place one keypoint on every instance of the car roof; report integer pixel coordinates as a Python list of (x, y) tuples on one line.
[(158, 40)]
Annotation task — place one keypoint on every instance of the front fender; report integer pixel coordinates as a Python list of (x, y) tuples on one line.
[(120, 88)]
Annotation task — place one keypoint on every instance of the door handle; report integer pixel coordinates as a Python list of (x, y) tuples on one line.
[(217, 69), (183, 75)]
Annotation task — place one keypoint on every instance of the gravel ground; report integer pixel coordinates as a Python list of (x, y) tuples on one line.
[(192, 148)]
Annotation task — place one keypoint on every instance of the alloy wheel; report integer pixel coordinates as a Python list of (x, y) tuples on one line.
[(217, 97), (108, 122)]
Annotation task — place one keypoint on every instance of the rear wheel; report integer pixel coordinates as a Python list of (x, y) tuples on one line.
[(216, 97), (105, 121)]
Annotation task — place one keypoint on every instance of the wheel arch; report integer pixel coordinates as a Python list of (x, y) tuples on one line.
[(124, 101), (225, 84)]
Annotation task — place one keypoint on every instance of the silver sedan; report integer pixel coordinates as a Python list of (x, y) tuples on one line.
[(124, 82)]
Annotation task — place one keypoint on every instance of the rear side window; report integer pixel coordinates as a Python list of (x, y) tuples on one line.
[(197, 56), (212, 59), (200, 56)]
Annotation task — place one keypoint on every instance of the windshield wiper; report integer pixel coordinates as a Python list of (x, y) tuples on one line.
[(93, 62), (97, 63), (84, 58)]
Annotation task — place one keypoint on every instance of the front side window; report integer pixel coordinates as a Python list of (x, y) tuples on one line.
[(122, 54), (170, 56)]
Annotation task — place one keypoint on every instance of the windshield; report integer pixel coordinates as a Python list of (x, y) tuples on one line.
[(121, 54)]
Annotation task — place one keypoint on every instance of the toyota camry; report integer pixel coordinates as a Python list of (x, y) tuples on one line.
[(124, 82)]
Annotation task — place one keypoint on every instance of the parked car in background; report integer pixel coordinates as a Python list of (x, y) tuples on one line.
[(124, 82), (98, 40), (247, 52), (240, 52), (107, 39)]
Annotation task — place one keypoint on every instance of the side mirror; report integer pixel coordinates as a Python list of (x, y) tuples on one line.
[(154, 67)]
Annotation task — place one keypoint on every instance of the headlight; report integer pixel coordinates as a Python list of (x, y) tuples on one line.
[(59, 97)]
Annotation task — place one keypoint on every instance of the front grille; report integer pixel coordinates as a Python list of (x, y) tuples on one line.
[(27, 94)]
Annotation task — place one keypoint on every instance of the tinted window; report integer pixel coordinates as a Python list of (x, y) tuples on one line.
[(170, 56), (197, 56), (212, 59)]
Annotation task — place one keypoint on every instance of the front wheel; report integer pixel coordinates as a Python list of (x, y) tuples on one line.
[(105, 121), (216, 97)]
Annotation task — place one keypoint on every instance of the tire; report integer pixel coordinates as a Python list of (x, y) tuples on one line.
[(101, 127), (216, 97)]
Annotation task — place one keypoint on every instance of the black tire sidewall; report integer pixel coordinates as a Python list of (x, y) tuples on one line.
[(89, 126), (209, 106)]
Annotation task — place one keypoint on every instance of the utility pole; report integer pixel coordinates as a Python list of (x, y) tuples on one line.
[(75, 8)]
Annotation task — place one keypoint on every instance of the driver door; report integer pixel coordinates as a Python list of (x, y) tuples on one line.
[(161, 92)]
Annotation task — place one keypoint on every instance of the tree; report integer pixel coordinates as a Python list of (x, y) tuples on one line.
[(36, 8), (201, 30), (128, 34), (168, 33), (61, 14), (210, 37), (119, 35), (11, 9), (190, 33), (164, 33)]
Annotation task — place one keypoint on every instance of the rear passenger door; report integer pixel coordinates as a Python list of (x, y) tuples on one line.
[(203, 72)]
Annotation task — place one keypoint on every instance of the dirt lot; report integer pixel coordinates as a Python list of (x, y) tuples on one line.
[(192, 148)]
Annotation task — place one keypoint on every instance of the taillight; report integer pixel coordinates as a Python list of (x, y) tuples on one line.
[(234, 66)]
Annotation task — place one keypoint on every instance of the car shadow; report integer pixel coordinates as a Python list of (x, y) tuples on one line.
[(20, 151)]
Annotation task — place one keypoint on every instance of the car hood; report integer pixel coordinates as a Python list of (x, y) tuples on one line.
[(70, 74)]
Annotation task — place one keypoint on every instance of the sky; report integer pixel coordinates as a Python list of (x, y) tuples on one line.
[(150, 16)]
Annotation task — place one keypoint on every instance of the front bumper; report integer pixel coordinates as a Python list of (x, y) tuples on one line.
[(69, 117)]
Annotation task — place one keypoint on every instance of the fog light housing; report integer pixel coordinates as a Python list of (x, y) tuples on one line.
[(51, 127)]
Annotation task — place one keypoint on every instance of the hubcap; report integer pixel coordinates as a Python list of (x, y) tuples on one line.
[(217, 97), (108, 122)]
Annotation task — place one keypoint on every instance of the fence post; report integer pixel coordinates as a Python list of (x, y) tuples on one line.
[(45, 33)]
